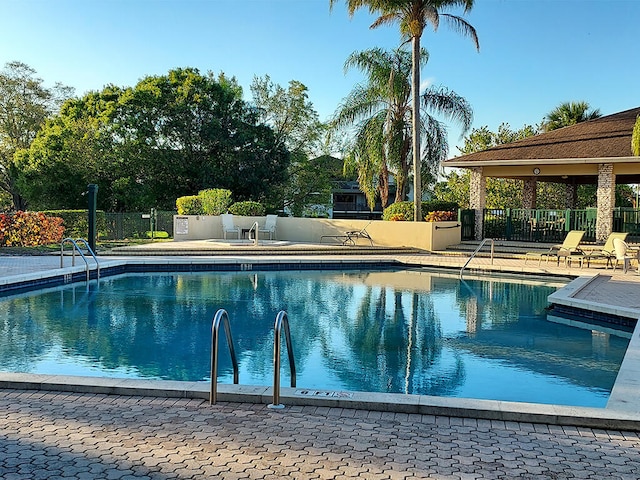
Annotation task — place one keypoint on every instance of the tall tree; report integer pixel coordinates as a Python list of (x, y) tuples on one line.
[(25, 104), (381, 111), (568, 113), (413, 17), (294, 120), (170, 135)]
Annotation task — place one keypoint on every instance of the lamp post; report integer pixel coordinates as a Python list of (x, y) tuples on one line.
[(93, 196)]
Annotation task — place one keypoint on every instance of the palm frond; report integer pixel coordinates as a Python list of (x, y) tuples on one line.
[(449, 104), (461, 26)]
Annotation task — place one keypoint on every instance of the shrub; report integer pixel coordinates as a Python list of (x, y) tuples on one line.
[(398, 210), (247, 209), (215, 201), (29, 229), (76, 222), (189, 205), (397, 217), (406, 209), (440, 216), (439, 205)]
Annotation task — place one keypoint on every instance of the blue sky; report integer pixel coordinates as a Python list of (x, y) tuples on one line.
[(533, 54)]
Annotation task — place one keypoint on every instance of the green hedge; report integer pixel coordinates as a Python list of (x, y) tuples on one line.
[(76, 222), (405, 209), (215, 201), (189, 205), (247, 209)]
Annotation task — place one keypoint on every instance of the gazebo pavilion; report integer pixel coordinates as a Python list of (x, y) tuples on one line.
[(592, 152)]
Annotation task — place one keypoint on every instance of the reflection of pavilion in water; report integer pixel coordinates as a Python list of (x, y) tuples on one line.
[(503, 327)]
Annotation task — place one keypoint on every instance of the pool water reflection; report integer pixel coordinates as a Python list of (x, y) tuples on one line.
[(402, 331)]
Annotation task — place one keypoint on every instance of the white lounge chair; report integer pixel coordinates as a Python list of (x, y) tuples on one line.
[(622, 250), (228, 226), (269, 226)]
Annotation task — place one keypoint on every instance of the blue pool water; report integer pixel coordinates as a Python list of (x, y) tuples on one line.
[(378, 331)]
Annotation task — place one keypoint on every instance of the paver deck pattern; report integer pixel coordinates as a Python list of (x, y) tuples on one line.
[(48, 435)]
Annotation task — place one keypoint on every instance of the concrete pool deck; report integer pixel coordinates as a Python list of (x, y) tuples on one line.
[(72, 427)]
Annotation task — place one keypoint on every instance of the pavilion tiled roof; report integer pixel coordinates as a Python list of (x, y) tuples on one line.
[(604, 137)]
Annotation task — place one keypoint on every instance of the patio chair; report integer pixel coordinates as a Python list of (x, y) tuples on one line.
[(621, 251), (606, 251), (228, 226), (569, 249), (351, 237), (269, 226)]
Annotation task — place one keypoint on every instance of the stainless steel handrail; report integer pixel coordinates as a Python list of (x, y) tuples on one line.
[(281, 321), (254, 228), (86, 244), (73, 254), (476, 251), (220, 316)]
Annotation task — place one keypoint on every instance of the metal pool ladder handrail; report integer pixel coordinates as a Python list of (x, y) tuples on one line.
[(220, 316), (282, 320), (73, 254), (254, 228), (476, 251)]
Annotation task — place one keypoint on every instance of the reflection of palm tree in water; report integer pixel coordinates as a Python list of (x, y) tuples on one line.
[(395, 352)]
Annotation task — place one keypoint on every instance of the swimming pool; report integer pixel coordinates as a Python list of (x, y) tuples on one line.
[(401, 331)]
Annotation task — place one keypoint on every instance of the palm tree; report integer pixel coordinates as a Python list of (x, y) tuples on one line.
[(413, 16), (381, 112), (568, 113)]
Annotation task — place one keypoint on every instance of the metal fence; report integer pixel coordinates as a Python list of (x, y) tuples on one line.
[(539, 225), (128, 226)]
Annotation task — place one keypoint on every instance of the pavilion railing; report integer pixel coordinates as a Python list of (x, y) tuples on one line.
[(548, 225)]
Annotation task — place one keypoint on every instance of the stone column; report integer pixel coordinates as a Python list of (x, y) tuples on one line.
[(570, 195), (606, 198), (529, 195), (478, 198)]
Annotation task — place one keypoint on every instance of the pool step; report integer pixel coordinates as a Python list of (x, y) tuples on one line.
[(502, 249)]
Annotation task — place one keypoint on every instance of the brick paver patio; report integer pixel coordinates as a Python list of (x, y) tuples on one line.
[(49, 435)]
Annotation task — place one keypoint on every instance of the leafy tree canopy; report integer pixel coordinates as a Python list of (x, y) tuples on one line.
[(297, 128), (169, 136), (25, 104)]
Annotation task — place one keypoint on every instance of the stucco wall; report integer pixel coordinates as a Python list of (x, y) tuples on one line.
[(423, 235)]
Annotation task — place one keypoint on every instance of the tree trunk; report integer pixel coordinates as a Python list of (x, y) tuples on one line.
[(18, 202), (401, 179), (383, 185), (415, 101)]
